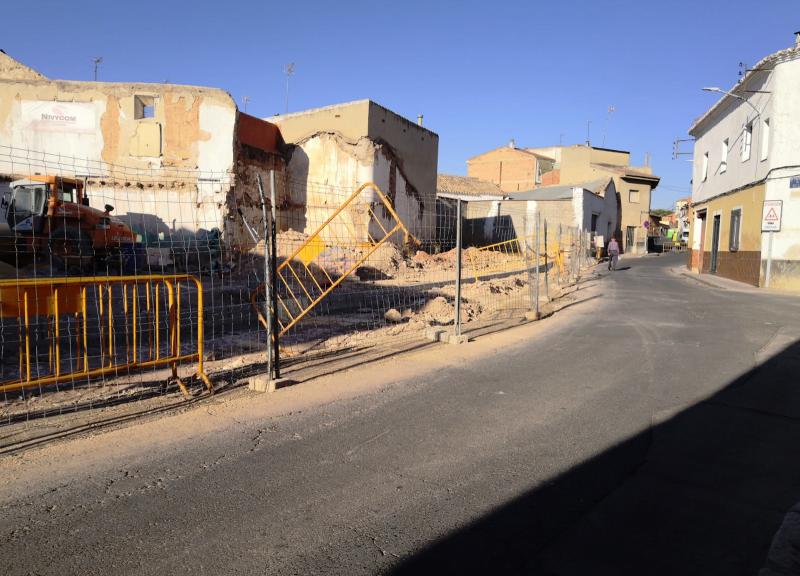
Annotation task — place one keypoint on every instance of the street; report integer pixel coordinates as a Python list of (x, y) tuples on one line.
[(650, 428)]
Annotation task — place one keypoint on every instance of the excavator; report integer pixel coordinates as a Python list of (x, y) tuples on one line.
[(49, 218)]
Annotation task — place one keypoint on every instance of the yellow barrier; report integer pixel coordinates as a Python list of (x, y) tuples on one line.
[(514, 251), (58, 299), (295, 304)]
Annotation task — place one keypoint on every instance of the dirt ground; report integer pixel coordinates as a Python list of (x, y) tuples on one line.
[(391, 300)]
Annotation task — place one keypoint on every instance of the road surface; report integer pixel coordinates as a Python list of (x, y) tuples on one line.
[(651, 429)]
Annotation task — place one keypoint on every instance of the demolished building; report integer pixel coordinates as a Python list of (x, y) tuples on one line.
[(333, 150), (175, 161)]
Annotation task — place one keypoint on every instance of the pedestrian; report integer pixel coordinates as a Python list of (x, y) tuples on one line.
[(613, 254)]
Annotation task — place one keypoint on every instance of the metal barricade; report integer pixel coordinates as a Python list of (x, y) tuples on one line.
[(302, 280), (97, 326)]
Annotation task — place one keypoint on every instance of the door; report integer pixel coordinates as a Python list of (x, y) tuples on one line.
[(700, 257), (630, 238), (715, 244)]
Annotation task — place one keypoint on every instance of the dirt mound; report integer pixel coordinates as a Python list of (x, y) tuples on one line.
[(437, 311)]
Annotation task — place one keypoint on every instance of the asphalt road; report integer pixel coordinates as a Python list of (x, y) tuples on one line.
[(652, 430)]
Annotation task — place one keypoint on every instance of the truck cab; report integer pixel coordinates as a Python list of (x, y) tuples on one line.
[(51, 215)]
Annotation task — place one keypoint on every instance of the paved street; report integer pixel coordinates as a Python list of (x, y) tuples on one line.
[(634, 433)]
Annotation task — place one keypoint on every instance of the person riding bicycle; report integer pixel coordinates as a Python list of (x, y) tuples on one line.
[(613, 254)]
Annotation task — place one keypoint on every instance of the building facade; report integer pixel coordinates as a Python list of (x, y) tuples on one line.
[(633, 184), (512, 169), (343, 146), (515, 170), (173, 160), (746, 153)]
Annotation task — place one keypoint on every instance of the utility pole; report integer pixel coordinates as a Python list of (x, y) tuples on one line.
[(245, 100), (96, 61), (289, 71)]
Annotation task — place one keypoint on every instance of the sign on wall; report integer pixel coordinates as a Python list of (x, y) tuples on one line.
[(771, 216), (49, 116)]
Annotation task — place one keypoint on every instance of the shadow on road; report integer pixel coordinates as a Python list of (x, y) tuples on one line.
[(702, 492)]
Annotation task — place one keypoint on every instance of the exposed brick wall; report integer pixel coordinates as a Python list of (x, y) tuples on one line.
[(743, 266), (551, 178)]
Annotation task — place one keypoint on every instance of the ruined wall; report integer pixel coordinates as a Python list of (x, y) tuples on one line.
[(161, 154), (325, 169)]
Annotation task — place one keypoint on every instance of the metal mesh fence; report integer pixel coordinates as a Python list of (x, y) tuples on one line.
[(155, 285)]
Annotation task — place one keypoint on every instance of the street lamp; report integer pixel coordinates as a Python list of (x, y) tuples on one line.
[(732, 95)]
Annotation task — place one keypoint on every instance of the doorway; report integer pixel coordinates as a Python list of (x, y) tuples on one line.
[(630, 236), (715, 244), (702, 250)]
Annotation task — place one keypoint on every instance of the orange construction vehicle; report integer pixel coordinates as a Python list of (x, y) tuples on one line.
[(50, 217)]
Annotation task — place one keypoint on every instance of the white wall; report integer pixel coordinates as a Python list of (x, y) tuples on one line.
[(729, 122), (782, 108)]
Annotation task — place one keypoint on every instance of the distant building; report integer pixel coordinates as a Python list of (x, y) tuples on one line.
[(342, 146), (634, 184), (512, 169), (746, 153), (589, 206), (519, 169), (173, 160)]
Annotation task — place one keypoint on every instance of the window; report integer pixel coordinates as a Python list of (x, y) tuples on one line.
[(723, 164), (144, 107), (765, 139), (705, 167), (736, 227), (538, 179), (747, 141), (633, 196), (594, 222)]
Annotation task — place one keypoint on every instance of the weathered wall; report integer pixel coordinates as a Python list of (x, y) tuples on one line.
[(349, 144), (146, 167), (326, 169)]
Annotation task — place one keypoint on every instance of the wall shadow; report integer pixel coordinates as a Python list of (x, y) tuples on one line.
[(703, 492)]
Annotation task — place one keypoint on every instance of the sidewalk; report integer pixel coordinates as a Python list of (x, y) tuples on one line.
[(714, 281)]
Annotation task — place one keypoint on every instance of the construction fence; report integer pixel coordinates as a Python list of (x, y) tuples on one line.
[(194, 283)]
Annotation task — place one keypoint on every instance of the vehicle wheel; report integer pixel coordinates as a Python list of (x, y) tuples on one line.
[(71, 250)]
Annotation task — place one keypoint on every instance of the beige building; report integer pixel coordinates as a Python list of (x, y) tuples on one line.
[(512, 169), (173, 160), (335, 149), (573, 165)]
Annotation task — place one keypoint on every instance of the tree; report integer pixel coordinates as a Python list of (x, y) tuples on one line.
[(660, 212)]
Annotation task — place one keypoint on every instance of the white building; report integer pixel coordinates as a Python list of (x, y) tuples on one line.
[(746, 152)]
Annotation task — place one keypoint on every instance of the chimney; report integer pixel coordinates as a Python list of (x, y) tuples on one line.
[(419, 119), (797, 38), (512, 144)]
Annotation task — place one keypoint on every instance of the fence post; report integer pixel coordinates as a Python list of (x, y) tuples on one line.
[(267, 273), (546, 267), (273, 296), (536, 255), (527, 257), (458, 269)]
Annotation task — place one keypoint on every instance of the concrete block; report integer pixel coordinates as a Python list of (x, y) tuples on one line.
[(451, 338), (435, 334), (264, 383), (261, 383)]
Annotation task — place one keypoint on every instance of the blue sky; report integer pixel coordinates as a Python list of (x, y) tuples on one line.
[(480, 72)]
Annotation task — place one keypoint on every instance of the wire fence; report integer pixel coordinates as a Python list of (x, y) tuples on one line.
[(159, 286)]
